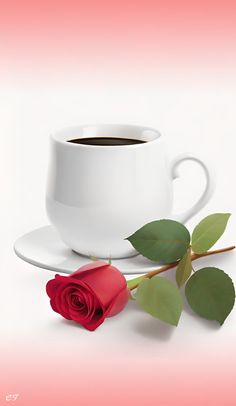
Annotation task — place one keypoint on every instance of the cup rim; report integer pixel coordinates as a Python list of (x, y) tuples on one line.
[(148, 134)]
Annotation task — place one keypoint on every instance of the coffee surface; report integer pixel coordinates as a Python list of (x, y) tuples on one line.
[(106, 141)]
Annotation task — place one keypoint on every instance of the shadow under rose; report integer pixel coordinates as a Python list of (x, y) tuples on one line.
[(71, 323), (154, 329), (132, 306), (60, 323)]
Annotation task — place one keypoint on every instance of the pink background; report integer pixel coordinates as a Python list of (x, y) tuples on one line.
[(124, 34)]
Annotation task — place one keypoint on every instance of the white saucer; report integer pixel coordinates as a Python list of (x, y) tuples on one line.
[(44, 249)]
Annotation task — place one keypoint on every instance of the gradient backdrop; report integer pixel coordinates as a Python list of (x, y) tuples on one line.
[(147, 35), (67, 62)]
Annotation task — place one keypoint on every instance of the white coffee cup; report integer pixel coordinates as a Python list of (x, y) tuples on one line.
[(99, 195)]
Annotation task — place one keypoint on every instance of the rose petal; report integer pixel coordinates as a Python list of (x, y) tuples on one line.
[(52, 286), (119, 303), (94, 323), (53, 305), (89, 267), (105, 281), (61, 302), (101, 291)]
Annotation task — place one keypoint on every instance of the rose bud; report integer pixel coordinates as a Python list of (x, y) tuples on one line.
[(89, 295)]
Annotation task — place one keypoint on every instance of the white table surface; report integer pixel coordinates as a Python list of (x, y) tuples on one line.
[(191, 364)]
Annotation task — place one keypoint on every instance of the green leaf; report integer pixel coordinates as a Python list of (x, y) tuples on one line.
[(133, 282), (210, 293), (161, 240), (160, 298), (184, 269), (208, 231)]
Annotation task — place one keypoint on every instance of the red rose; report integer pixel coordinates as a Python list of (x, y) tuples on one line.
[(89, 295)]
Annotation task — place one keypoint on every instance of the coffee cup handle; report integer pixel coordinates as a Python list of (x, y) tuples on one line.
[(207, 193)]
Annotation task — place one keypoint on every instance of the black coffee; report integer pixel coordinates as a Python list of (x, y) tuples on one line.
[(106, 141)]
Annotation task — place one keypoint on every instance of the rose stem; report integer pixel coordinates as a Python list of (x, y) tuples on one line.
[(150, 274)]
